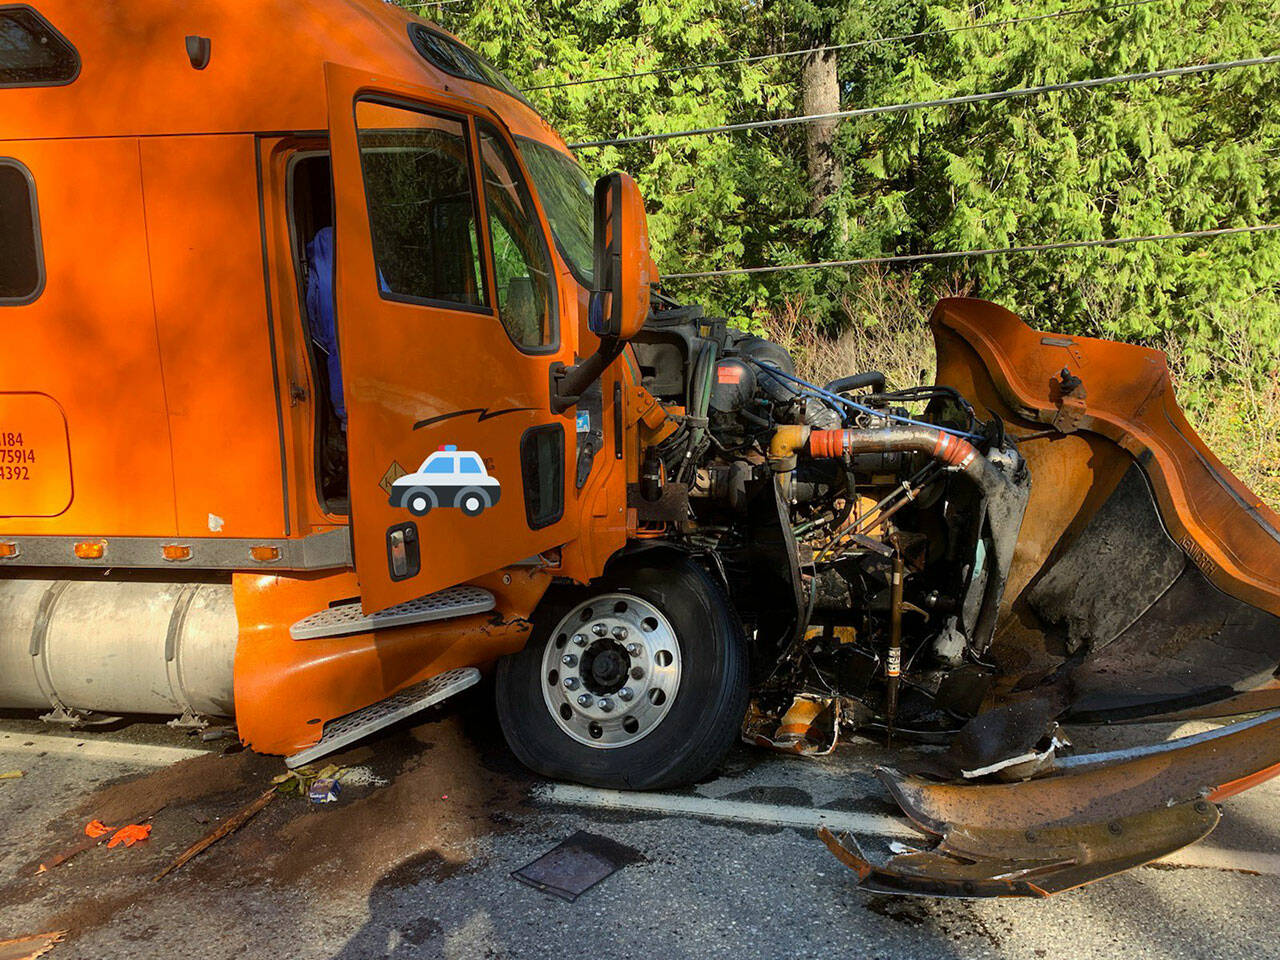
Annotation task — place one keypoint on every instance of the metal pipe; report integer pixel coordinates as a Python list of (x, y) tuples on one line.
[(893, 665)]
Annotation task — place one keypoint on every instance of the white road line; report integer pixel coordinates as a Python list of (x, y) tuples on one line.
[(1216, 858), (838, 821), (91, 748)]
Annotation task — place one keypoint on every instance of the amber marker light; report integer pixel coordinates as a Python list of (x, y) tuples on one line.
[(91, 549), (265, 554), (8, 550), (176, 552)]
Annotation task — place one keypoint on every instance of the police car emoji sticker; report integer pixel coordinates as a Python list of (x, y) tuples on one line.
[(448, 478)]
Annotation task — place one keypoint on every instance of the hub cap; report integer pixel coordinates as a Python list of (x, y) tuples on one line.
[(610, 670)]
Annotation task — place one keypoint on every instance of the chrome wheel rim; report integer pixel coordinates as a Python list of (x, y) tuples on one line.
[(611, 670)]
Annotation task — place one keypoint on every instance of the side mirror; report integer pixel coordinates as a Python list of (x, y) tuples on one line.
[(624, 269)]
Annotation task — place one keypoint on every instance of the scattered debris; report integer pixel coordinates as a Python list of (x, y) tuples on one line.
[(97, 832), (28, 948), (324, 790), (130, 835), (230, 825), (300, 781), (577, 864), (360, 777), (810, 727), (209, 734)]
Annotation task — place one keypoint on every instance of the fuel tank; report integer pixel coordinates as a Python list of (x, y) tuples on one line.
[(93, 646)]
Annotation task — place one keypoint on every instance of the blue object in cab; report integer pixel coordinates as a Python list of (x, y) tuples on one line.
[(321, 313)]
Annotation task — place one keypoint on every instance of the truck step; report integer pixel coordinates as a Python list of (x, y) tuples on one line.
[(349, 618), (354, 726)]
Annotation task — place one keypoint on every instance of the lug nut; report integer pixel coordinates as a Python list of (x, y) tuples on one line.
[(634, 649), (571, 683), (605, 704), (626, 693), (584, 700), (569, 660), (636, 673), (579, 639), (620, 633), (599, 629)]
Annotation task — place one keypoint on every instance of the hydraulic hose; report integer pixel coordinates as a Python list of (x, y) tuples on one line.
[(858, 381)]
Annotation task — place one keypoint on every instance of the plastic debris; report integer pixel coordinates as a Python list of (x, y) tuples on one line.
[(96, 828), (323, 790), (130, 835), (29, 948), (12, 774)]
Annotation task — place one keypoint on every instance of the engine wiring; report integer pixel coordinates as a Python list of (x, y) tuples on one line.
[(835, 401)]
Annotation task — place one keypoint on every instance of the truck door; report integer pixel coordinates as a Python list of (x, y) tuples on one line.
[(448, 321)]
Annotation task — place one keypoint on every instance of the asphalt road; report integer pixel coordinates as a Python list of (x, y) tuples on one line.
[(420, 866)]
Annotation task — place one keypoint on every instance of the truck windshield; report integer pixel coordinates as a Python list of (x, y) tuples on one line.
[(565, 192)]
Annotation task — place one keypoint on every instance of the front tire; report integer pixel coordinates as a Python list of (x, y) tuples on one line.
[(637, 682)]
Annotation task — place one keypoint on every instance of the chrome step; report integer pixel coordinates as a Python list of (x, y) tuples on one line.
[(349, 618), (355, 726)]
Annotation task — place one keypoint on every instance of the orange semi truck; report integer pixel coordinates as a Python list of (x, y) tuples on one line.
[(329, 380)]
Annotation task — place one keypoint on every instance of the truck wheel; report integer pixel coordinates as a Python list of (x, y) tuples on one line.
[(419, 502), (638, 682), (472, 502)]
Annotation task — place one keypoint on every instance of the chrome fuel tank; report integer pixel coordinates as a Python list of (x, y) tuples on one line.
[(116, 647)]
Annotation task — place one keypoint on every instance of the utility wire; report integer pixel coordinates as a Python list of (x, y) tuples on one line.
[(985, 252), (945, 102), (991, 25)]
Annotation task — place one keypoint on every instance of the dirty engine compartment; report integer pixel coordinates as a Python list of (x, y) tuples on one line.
[(1038, 537)]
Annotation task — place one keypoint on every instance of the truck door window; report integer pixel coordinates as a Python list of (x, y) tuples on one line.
[(21, 263), (566, 196), (422, 210), (521, 260), (32, 53)]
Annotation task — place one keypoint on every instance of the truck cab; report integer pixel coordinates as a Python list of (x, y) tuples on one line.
[(259, 261)]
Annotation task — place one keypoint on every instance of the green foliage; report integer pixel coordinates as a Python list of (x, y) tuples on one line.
[(1151, 157)]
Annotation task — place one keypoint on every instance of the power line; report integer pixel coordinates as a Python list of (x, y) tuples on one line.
[(985, 252), (991, 25), (946, 102)]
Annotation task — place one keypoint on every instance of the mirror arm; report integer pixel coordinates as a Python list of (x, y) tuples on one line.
[(569, 383)]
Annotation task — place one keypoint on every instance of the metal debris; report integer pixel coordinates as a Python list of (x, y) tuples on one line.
[(1091, 817), (577, 864)]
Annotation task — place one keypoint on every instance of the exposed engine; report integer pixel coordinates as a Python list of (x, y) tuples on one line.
[(865, 533)]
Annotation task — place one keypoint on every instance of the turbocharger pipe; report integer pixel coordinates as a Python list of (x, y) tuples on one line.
[(944, 447)]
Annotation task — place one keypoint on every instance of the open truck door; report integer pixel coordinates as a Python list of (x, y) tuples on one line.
[(448, 326)]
